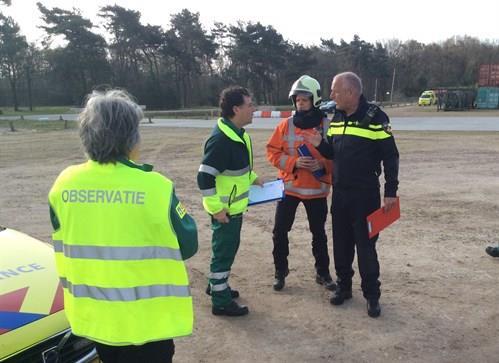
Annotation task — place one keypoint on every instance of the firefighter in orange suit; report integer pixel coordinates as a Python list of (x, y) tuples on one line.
[(307, 177)]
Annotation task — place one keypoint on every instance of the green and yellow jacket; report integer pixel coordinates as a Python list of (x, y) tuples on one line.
[(226, 171)]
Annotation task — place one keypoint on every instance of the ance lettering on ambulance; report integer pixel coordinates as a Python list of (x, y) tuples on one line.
[(29, 286), (16, 271)]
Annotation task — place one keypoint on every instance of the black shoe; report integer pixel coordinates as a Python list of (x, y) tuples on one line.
[(493, 251), (280, 280), (279, 283), (234, 294), (326, 280), (340, 295), (373, 308), (233, 309)]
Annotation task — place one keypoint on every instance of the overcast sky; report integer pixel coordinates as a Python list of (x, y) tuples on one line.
[(304, 22)]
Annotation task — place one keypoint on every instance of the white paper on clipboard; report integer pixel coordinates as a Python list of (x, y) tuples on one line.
[(270, 192)]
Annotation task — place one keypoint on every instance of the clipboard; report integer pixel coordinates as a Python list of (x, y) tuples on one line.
[(269, 192), (379, 220)]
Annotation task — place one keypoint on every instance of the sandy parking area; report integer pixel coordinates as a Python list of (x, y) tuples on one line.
[(440, 295)]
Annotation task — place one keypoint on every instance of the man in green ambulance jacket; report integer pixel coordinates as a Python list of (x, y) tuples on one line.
[(224, 177)]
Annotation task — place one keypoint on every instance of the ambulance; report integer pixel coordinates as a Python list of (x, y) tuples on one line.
[(428, 98), (33, 327)]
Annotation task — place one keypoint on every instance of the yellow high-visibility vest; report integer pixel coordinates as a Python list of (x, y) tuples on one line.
[(118, 256)]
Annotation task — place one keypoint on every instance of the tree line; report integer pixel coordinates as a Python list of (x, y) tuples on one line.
[(186, 65)]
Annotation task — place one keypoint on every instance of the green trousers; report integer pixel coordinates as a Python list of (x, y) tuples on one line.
[(224, 245)]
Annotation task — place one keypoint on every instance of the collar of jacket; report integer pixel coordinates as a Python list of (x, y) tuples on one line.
[(224, 124), (308, 119), (359, 114), (131, 164)]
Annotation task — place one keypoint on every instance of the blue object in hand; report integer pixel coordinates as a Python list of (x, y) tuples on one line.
[(304, 151)]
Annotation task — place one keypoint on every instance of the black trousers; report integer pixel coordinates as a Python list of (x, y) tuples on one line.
[(154, 352), (284, 218), (350, 209)]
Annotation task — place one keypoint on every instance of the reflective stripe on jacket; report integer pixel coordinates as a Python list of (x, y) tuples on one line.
[(282, 152)]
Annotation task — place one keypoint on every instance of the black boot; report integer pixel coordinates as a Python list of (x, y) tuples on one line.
[(234, 294), (279, 281), (326, 280), (373, 308), (233, 309), (340, 295), (492, 251)]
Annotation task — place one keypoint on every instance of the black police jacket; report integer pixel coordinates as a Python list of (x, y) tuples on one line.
[(358, 144)]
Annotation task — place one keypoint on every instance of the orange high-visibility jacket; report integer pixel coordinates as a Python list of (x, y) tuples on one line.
[(282, 152)]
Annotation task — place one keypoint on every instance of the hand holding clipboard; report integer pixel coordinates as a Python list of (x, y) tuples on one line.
[(268, 192), (379, 219)]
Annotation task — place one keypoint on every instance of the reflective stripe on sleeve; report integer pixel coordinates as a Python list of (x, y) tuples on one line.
[(208, 192), (208, 170)]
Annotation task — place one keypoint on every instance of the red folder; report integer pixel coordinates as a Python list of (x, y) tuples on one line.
[(379, 219)]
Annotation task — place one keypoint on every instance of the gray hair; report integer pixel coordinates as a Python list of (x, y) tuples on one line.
[(109, 125), (352, 81)]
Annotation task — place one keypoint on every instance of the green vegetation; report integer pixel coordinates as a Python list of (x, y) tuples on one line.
[(184, 65)]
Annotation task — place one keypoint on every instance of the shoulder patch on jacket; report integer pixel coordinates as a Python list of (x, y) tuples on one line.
[(180, 209), (387, 127)]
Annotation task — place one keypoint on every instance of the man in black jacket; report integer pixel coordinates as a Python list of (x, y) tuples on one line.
[(359, 141)]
